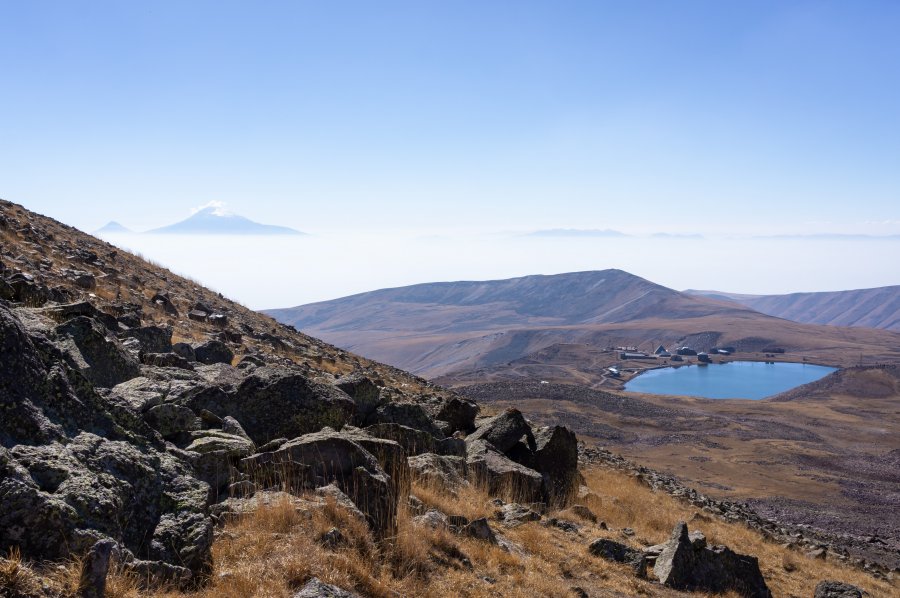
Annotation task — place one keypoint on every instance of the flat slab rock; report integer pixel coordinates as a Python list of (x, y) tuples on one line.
[(316, 588)]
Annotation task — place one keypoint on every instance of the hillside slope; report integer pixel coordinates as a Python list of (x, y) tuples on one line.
[(871, 308), (440, 329)]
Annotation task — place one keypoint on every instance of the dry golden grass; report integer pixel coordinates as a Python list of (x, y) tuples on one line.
[(274, 550)]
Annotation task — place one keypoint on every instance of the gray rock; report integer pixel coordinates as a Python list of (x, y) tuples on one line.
[(184, 350), (316, 588), (208, 441), (411, 415), (837, 589), (690, 565), (365, 394), (459, 414), (101, 359), (166, 360), (620, 553), (480, 529), (413, 442), (277, 401), (432, 519), (330, 457), (503, 431), (500, 475), (94, 569), (213, 351), (446, 473), (556, 459), (170, 419), (153, 339), (514, 515)]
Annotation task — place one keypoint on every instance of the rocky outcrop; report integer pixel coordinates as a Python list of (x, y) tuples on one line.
[(443, 472), (277, 401), (687, 563), (76, 468), (509, 459), (619, 553), (326, 457)]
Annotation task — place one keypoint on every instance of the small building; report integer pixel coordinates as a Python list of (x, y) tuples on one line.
[(703, 358), (677, 358), (660, 350), (614, 372), (635, 355), (686, 351)]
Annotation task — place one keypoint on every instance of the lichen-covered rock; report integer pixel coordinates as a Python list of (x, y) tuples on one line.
[(331, 457), (446, 473), (170, 419), (213, 351), (411, 415), (316, 588), (413, 442), (500, 475), (619, 553), (100, 358), (365, 393), (504, 431), (688, 564), (836, 589), (556, 459), (77, 467), (152, 339), (459, 414), (276, 401)]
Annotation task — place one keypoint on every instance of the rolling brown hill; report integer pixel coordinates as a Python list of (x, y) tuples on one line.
[(447, 328), (870, 308)]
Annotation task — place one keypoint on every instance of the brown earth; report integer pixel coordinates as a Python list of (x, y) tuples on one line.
[(824, 455)]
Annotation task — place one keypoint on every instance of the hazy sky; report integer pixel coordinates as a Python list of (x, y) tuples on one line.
[(460, 117)]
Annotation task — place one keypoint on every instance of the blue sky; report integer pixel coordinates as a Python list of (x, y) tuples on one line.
[(745, 118)]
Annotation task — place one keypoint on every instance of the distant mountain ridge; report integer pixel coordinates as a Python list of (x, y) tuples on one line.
[(435, 327), (215, 221), (871, 308)]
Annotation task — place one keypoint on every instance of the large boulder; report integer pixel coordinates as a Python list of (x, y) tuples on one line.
[(556, 458), (445, 473), (213, 351), (413, 442), (98, 356), (276, 401), (365, 393), (687, 563), (504, 431), (171, 420), (459, 414), (500, 475), (326, 457), (152, 339), (411, 415)]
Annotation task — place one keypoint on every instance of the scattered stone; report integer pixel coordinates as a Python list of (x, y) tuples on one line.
[(837, 589), (315, 588), (333, 539), (480, 529), (514, 515), (94, 569), (620, 553)]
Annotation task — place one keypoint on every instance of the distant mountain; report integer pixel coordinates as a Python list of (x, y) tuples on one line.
[(576, 232), (216, 221), (112, 227), (870, 308), (439, 327)]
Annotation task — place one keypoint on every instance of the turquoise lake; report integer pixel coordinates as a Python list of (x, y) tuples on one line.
[(733, 380)]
